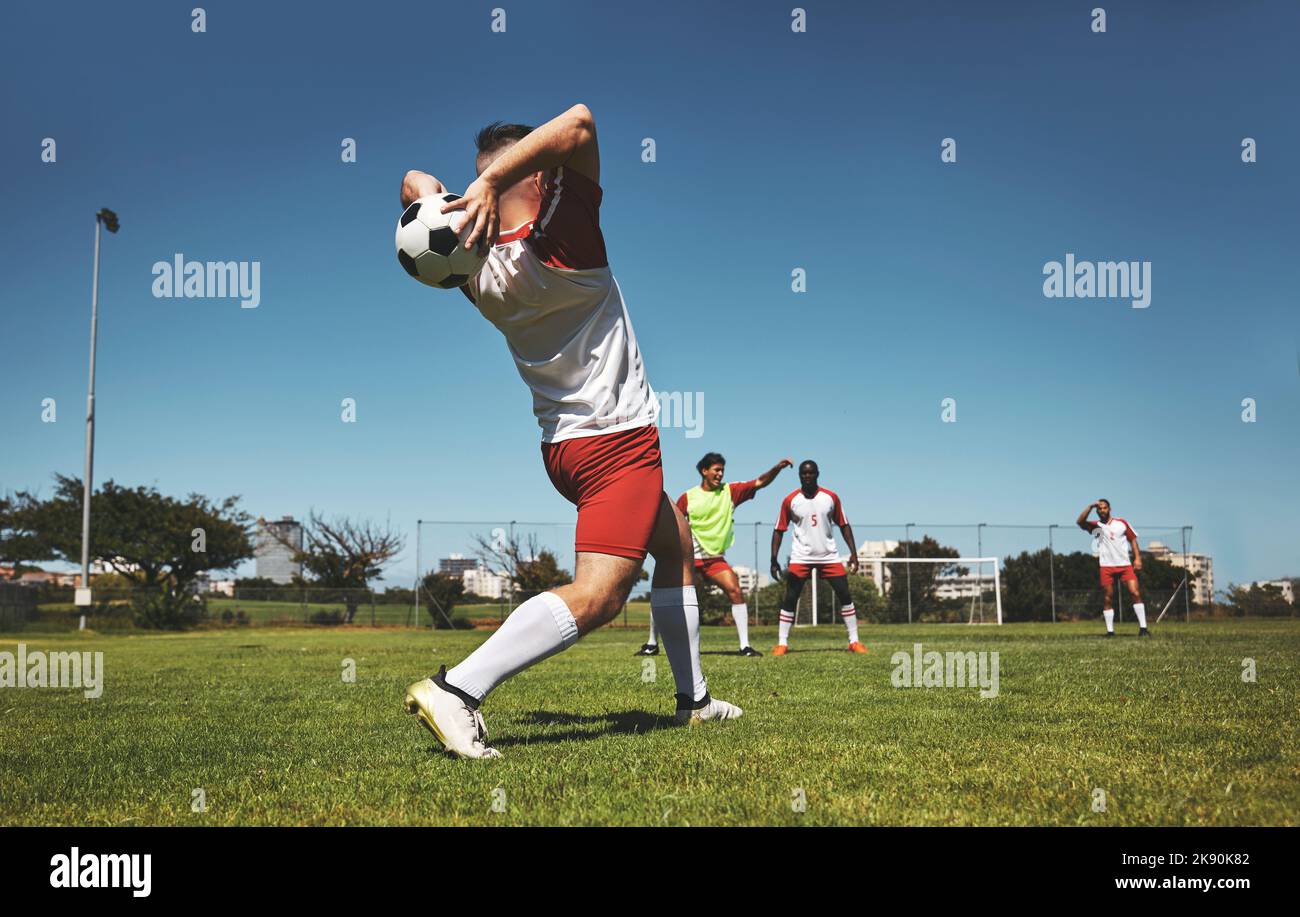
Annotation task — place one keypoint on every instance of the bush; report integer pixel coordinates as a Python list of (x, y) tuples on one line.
[(328, 618)]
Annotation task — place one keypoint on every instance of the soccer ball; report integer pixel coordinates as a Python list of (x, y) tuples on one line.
[(429, 243)]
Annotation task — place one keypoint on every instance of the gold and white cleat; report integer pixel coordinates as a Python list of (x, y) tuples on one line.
[(454, 723), (712, 709)]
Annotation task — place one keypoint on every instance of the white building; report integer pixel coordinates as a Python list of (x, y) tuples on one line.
[(750, 578), (275, 547), (1201, 565), (871, 562), (488, 583), (1287, 587)]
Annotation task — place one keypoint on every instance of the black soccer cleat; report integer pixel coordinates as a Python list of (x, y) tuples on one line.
[(648, 649), (1110, 633), (748, 651), (1143, 632)]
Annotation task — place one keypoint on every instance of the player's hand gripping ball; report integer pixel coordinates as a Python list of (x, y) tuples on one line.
[(430, 244)]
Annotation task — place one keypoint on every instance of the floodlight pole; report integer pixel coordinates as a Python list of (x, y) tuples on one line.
[(418, 568), (108, 218), (907, 545), (979, 538), (1187, 573), (1051, 568)]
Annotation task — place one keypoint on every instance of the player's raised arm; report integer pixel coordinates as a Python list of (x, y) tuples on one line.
[(1083, 522), (568, 140), (416, 184), (767, 477)]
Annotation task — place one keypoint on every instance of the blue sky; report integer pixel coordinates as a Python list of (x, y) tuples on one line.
[(775, 151)]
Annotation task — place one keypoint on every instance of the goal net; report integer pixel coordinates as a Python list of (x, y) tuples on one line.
[(966, 590)]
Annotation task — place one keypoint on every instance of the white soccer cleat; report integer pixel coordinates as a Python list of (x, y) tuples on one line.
[(454, 723), (713, 710)]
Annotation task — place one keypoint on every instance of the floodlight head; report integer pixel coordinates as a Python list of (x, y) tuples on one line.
[(109, 219)]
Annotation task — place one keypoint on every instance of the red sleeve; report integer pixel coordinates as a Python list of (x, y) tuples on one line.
[(1128, 531), (682, 504), (566, 231), (742, 492), (837, 514), (783, 520)]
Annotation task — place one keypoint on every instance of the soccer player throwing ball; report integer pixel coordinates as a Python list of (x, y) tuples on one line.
[(548, 288), (813, 510), (710, 509), (1112, 538)]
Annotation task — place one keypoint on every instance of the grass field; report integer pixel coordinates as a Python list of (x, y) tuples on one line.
[(263, 722)]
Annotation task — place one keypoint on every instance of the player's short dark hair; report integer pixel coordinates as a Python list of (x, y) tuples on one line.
[(710, 459), (495, 136), (809, 462), (1103, 500)]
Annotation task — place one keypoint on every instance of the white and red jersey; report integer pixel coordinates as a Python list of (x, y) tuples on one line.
[(1110, 542), (812, 518), (547, 287)]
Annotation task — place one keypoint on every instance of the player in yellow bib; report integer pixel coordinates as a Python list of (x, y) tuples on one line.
[(709, 509)]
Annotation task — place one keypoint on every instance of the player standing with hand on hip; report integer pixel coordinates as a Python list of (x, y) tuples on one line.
[(548, 288), (1112, 538)]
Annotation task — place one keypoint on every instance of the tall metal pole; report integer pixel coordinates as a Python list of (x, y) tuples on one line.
[(418, 571), (979, 576), (907, 544), (1051, 567), (90, 421), (1187, 572)]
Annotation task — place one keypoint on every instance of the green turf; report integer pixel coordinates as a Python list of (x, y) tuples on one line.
[(263, 722)]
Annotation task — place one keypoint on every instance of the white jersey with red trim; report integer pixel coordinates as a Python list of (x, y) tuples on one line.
[(548, 288), (812, 518), (1110, 542)]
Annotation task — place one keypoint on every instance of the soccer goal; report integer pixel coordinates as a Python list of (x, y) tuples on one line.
[(941, 589)]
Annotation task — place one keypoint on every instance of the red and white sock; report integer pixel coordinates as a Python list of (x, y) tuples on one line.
[(786, 622)]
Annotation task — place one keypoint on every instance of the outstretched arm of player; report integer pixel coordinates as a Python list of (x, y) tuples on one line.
[(853, 546), (568, 140), (1083, 522), (767, 477), (776, 548)]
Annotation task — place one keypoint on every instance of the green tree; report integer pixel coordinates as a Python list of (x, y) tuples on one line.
[(442, 591), (1258, 601), (20, 539), (159, 543), (532, 570), (922, 580)]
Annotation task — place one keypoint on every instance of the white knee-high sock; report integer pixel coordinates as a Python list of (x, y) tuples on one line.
[(783, 627), (1140, 609), (740, 614), (677, 617), (540, 627), (1109, 615), (652, 640), (849, 615)]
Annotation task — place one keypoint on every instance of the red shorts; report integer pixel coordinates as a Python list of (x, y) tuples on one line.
[(712, 566), (1110, 574), (803, 571), (617, 482)]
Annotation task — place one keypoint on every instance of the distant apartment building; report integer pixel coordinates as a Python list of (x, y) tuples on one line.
[(871, 562), (750, 579), (458, 564), (1200, 565), (488, 583), (1287, 587), (276, 544)]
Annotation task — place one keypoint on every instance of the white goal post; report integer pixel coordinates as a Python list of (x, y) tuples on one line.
[(970, 585)]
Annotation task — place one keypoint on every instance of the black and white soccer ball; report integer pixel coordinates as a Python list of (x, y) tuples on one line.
[(429, 243)]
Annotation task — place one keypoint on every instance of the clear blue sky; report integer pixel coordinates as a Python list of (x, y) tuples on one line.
[(775, 151)]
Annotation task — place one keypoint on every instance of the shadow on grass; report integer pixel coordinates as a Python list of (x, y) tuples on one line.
[(623, 722)]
